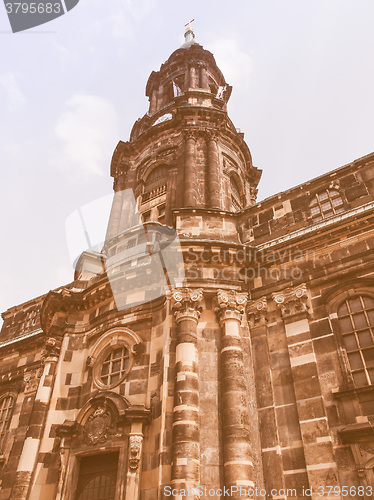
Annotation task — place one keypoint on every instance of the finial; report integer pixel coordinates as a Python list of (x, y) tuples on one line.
[(188, 26), (189, 35)]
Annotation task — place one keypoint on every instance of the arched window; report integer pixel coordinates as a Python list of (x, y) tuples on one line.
[(325, 204), (356, 321), (155, 184), (235, 194), (6, 410), (102, 487)]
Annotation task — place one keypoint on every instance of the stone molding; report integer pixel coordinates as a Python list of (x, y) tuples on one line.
[(231, 305), (186, 303), (292, 301)]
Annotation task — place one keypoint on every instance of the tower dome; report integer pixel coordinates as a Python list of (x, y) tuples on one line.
[(185, 152)]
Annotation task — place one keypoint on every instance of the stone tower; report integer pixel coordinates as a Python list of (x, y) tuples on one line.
[(251, 377), (185, 152)]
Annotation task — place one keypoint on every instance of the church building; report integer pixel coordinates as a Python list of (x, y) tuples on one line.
[(250, 374)]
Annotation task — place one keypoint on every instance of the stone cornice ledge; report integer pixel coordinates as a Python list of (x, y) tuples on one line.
[(24, 336), (319, 225)]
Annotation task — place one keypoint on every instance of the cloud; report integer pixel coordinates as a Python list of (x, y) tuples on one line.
[(87, 129), (66, 55), (235, 63), (14, 95), (124, 13)]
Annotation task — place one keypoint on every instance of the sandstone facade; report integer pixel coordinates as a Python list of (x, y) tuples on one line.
[(257, 371)]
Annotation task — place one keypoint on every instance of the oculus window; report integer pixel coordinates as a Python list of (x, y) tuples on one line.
[(115, 366)]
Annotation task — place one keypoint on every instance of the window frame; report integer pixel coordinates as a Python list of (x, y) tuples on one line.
[(334, 299), (321, 215), (101, 359), (83, 479), (110, 340), (354, 333), (4, 431)]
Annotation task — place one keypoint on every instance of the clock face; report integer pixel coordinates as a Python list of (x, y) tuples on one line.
[(163, 118)]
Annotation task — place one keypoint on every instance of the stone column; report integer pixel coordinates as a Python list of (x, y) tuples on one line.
[(237, 455), (185, 467), (190, 169), (193, 78), (30, 450), (315, 433), (153, 104), (214, 174), (204, 83)]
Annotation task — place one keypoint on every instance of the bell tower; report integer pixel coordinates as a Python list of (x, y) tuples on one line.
[(185, 152)]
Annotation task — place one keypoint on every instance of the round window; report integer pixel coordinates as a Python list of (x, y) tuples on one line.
[(114, 366)]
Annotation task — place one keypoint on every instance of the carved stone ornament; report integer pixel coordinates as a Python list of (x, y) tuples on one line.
[(186, 303), (257, 311), (253, 193), (97, 426), (292, 301), (231, 304), (190, 133), (212, 135), (135, 450), (137, 351), (368, 448), (335, 185), (31, 380), (52, 348)]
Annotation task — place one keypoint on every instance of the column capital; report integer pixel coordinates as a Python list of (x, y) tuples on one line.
[(292, 301), (212, 135), (186, 303), (190, 133), (257, 311), (231, 304)]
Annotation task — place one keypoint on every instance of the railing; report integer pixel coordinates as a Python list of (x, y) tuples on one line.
[(154, 193)]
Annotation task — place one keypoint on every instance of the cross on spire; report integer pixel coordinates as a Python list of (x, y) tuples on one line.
[(188, 25)]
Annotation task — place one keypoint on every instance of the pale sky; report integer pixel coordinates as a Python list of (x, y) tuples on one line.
[(302, 75)]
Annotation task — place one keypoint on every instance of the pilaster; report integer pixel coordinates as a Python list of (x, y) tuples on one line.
[(31, 445), (214, 173), (190, 174), (317, 441)]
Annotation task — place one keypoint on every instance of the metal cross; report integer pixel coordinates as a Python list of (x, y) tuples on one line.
[(189, 23)]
